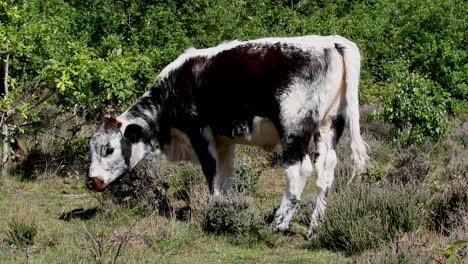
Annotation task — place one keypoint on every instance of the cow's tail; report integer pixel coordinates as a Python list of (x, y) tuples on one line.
[(352, 62)]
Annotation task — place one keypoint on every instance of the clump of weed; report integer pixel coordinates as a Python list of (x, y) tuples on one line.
[(364, 217), (399, 252), (410, 167), (247, 175), (144, 189), (183, 177), (21, 233), (104, 249), (233, 215), (305, 209), (448, 207)]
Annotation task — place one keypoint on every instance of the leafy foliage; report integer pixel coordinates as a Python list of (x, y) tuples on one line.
[(418, 108), (96, 56)]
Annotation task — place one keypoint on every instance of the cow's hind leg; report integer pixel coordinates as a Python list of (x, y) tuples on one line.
[(298, 169), (325, 162)]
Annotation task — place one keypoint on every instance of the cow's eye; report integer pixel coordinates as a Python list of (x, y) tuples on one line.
[(109, 151)]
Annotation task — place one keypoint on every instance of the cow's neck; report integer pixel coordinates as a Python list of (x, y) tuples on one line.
[(155, 112)]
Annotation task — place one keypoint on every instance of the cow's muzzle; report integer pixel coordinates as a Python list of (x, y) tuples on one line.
[(95, 184)]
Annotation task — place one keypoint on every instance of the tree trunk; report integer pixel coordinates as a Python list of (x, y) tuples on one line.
[(3, 93)]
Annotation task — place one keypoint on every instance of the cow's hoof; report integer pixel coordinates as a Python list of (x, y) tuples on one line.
[(310, 233), (280, 227)]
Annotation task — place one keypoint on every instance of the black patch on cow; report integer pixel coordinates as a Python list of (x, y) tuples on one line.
[(134, 133), (295, 148), (337, 125), (340, 48), (207, 161)]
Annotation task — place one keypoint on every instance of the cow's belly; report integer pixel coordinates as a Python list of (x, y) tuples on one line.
[(264, 134)]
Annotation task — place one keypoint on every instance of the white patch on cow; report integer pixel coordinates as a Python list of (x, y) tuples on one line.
[(294, 104), (296, 178), (223, 181), (140, 151), (192, 52), (107, 167)]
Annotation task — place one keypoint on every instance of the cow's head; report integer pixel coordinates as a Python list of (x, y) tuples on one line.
[(115, 149)]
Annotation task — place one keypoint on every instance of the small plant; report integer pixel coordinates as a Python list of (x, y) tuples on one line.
[(305, 209), (21, 234), (451, 251), (104, 249), (374, 174), (448, 207), (231, 215), (183, 178), (247, 175), (410, 167), (364, 217), (143, 189)]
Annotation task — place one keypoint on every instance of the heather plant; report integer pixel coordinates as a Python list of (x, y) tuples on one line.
[(359, 218), (144, 189), (233, 215), (247, 175)]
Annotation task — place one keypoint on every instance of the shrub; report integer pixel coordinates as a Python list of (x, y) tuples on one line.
[(231, 215), (365, 217), (183, 177), (409, 167), (305, 208), (417, 109), (144, 189), (400, 252), (247, 175), (448, 207)]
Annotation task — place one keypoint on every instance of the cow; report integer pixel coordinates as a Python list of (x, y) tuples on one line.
[(264, 92)]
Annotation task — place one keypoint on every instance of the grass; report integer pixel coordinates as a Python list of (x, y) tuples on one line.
[(151, 236), (72, 225)]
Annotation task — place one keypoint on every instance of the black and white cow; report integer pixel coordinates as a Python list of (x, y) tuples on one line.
[(263, 93)]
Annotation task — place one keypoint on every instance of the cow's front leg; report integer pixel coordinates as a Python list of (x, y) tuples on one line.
[(205, 147), (223, 179), (298, 169)]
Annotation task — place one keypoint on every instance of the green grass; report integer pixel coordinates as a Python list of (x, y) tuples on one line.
[(151, 237)]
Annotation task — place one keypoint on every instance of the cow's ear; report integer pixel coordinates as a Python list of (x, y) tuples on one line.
[(134, 133)]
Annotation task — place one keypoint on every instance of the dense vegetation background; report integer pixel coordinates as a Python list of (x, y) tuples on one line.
[(98, 56), (71, 61)]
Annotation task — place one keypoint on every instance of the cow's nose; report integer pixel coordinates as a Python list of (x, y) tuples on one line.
[(95, 184)]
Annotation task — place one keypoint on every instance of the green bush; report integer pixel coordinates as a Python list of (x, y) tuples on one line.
[(418, 108), (231, 215), (362, 217)]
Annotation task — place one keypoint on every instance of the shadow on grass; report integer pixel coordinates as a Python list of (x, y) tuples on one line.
[(79, 213)]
